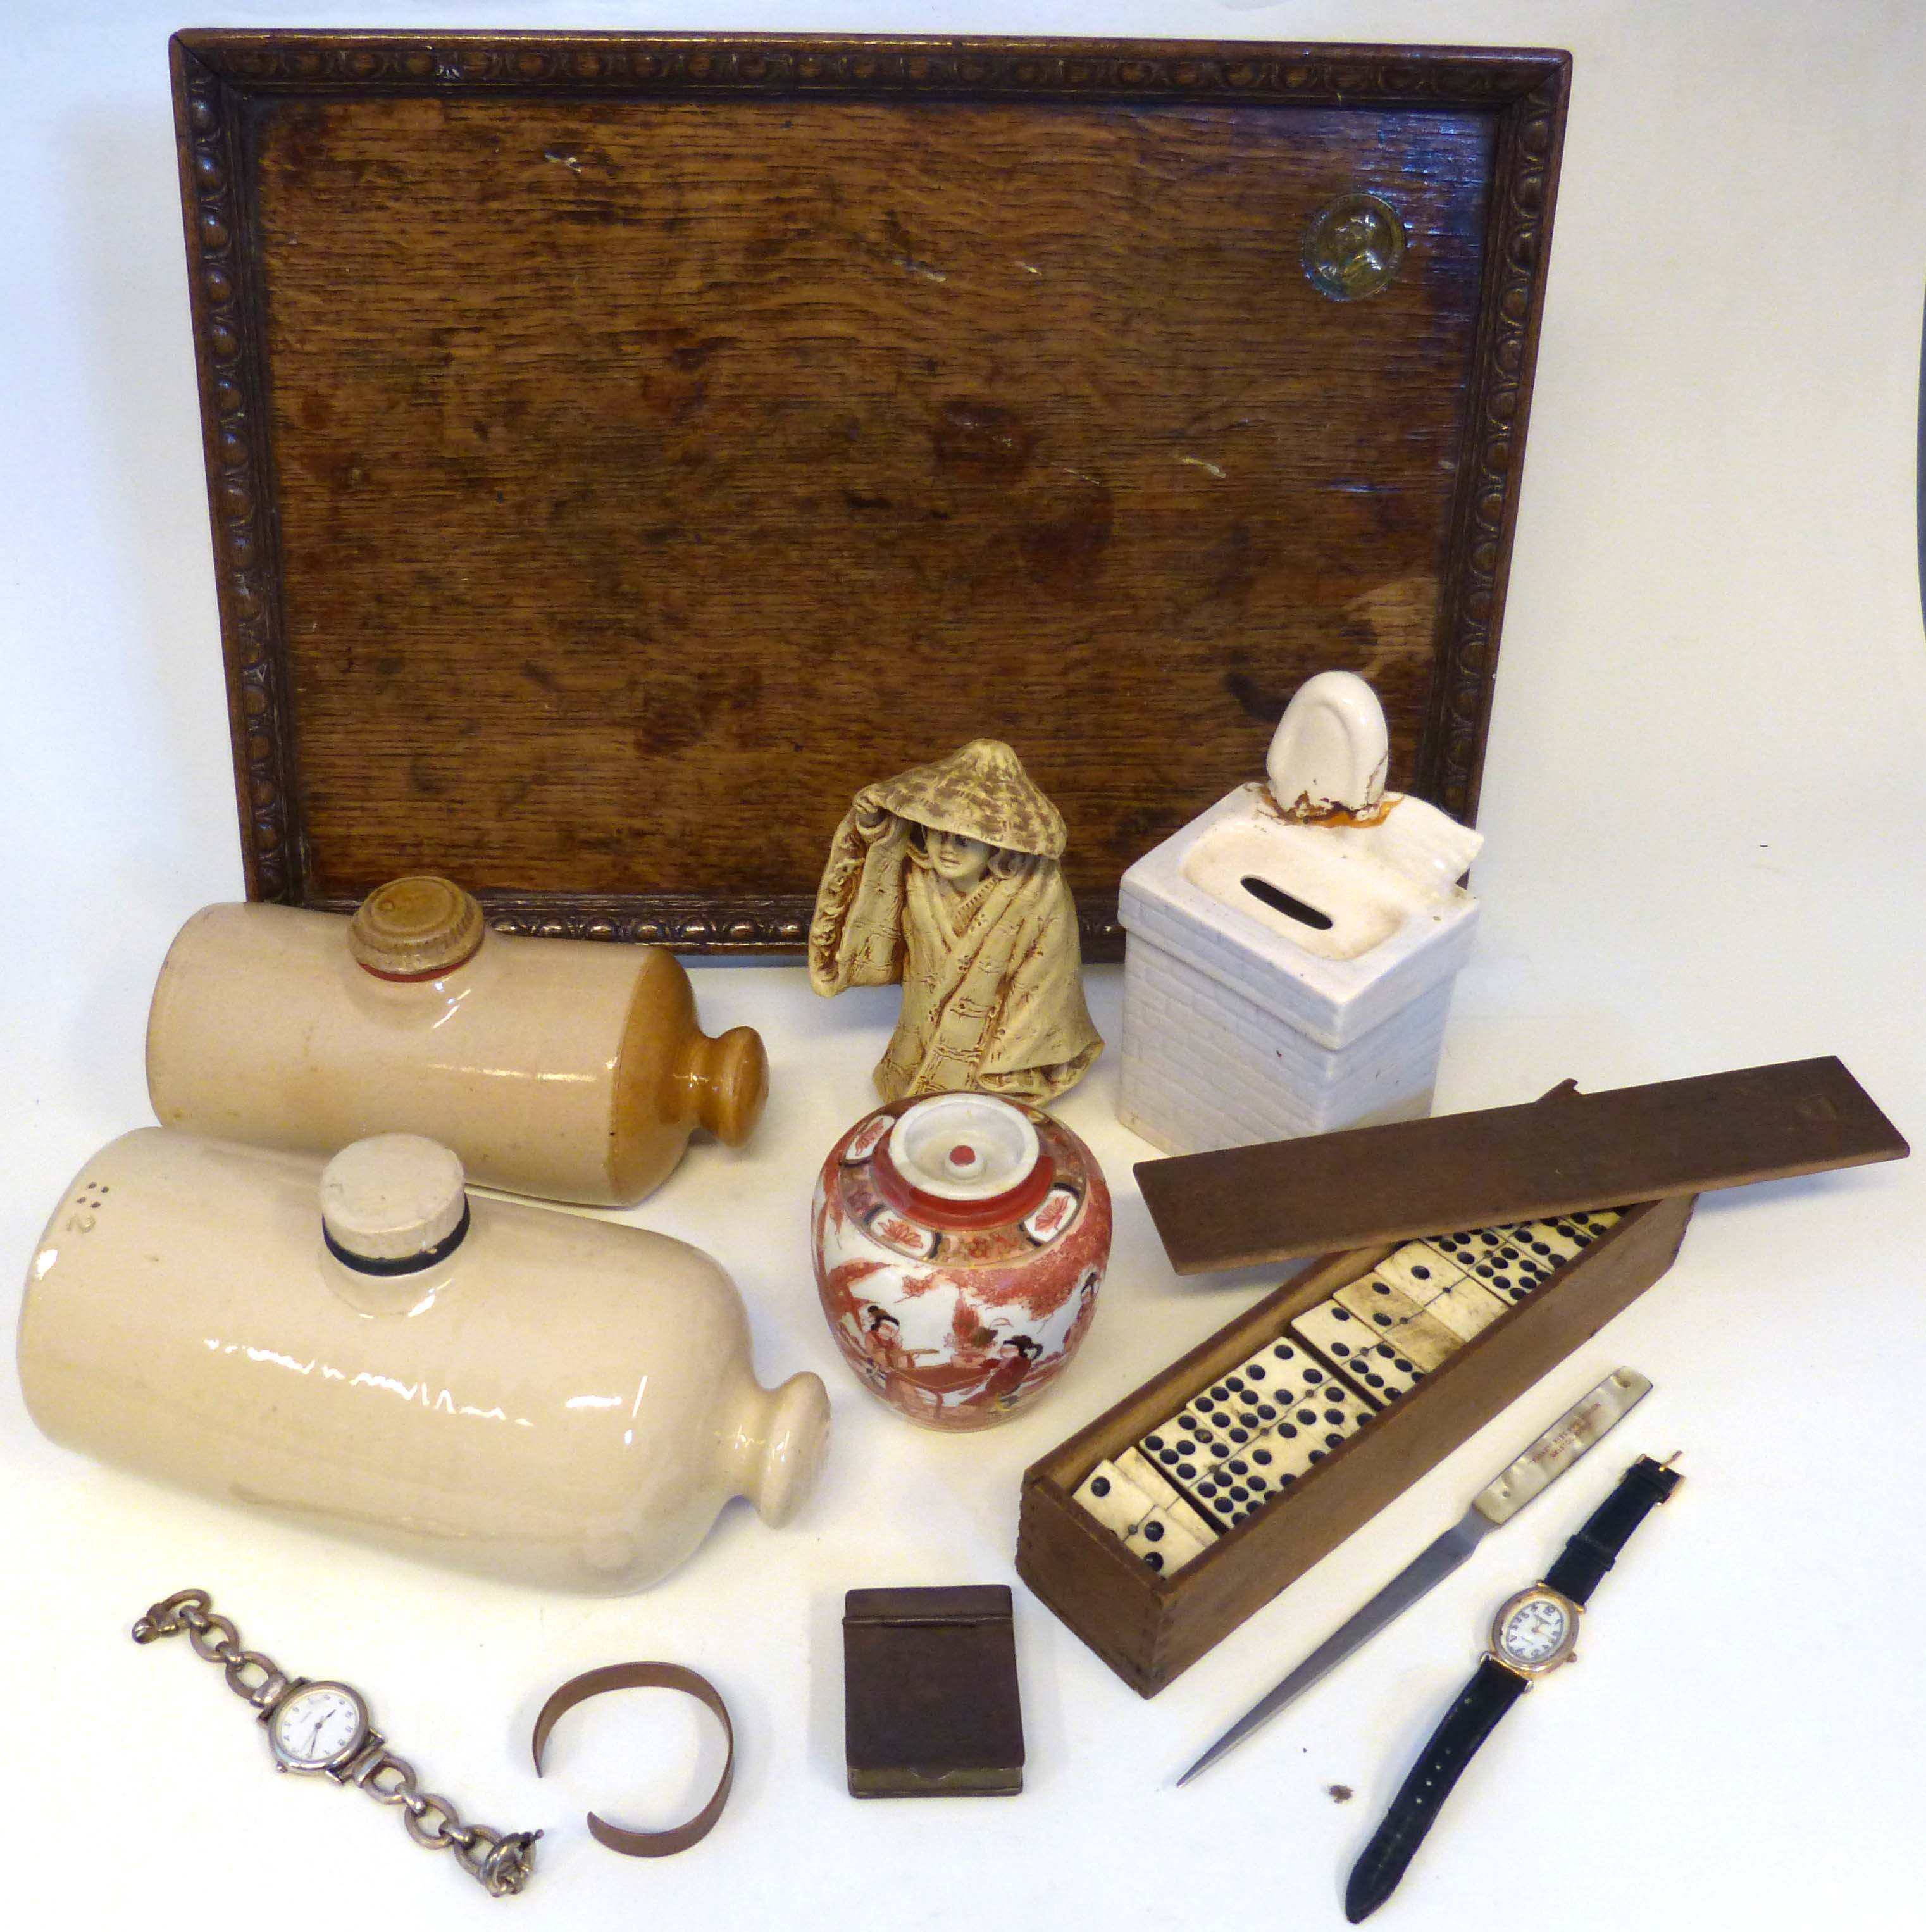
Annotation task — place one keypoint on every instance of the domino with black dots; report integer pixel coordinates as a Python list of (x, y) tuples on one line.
[(1466, 1307), (1322, 1411), (1312, 1432), (1593, 1222), (1116, 1502), (1135, 1467), (1516, 1270), (1246, 1481), (1285, 1358), (1266, 1384), (1383, 1371), (1222, 1415), (1258, 1471), (1539, 1243), (1340, 1337), (1180, 1451), (1469, 1246), (1246, 1400), (1393, 1317), (1421, 1270), (1372, 1299), (1162, 1544), (1225, 1495), (1567, 1235), (1335, 1406), (1266, 1371), (1374, 1367)]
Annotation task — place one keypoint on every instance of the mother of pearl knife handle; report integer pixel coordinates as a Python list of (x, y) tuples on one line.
[(1561, 1445)]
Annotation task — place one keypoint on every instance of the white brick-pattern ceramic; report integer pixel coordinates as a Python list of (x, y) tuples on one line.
[(1242, 1023)]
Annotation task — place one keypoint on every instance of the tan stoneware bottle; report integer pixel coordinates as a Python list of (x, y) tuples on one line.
[(566, 1069), (535, 1395)]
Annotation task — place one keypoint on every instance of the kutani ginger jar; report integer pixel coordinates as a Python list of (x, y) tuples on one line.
[(960, 1242)]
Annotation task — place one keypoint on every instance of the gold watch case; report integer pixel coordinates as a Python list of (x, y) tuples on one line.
[(1565, 1652)]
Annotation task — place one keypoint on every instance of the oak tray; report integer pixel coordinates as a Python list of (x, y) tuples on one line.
[(621, 448)]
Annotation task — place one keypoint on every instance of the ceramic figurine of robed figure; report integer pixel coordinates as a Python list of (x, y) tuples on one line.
[(946, 877)]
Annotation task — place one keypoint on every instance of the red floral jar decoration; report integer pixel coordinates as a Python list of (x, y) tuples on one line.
[(960, 1242)]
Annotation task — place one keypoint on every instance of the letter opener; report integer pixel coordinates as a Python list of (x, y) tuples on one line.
[(1575, 1432)]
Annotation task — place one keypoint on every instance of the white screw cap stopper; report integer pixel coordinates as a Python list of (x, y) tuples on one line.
[(391, 1197)]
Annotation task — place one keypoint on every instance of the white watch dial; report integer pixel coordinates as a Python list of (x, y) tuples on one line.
[(315, 1725), (1534, 1631)]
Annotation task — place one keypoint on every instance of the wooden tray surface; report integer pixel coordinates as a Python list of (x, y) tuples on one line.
[(623, 448)]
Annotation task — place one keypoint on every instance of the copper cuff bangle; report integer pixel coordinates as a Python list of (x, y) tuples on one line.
[(645, 1677)]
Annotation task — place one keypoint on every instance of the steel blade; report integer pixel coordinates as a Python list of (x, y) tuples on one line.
[(1429, 1568), (1581, 1427)]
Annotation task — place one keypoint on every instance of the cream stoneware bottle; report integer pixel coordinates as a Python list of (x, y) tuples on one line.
[(566, 1069), (539, 1396)]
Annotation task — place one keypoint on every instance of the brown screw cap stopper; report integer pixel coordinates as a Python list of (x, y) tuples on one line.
[(415, 928)]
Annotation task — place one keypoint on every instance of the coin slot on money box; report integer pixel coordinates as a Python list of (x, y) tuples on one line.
[(1280, 900)]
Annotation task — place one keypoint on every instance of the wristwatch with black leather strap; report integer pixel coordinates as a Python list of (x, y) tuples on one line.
[(1534, 1633)]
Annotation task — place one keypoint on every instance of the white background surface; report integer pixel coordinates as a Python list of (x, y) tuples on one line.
[(1704, 805)]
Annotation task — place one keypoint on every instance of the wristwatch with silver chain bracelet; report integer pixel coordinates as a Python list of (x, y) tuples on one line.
[(324, 1727)]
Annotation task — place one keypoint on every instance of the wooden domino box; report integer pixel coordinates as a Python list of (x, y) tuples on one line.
[(1354, 1199)]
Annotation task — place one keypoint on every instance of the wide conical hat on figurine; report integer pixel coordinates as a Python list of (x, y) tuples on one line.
[(945, 878), (981, 791)]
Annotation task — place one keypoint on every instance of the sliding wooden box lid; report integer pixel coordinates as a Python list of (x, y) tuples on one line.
[(1567, 1152)]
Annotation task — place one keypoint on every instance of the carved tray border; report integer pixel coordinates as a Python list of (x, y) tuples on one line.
[(216, 71)]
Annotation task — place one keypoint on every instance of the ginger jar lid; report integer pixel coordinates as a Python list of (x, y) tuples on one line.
[(964, 1179), (964, 1147), (963, 1160)]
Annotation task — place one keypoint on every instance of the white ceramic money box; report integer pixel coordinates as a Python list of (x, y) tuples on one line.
[(1291, 952), (366, 1349), (566, 1069)]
